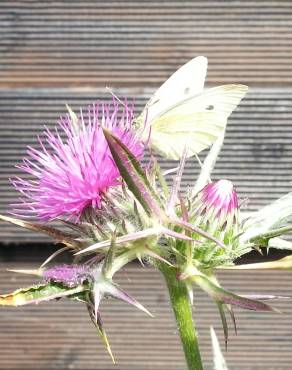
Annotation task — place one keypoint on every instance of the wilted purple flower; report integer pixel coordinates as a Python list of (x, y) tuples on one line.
[(70, 275), (216, 206), (73, 173)]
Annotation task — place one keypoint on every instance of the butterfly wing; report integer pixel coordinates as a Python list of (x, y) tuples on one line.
[(186, 81), (195, 121)]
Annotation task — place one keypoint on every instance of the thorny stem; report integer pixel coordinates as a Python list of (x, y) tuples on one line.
[(182, 309)]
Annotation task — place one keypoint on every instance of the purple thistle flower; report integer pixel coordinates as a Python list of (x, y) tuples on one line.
[(216, 207), (70, 275), (73, 173)]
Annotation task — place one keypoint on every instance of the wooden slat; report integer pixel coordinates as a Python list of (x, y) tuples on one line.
[(130, 43), (60, 335)]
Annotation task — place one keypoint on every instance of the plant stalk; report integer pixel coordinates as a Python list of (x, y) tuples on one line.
[(182, 309)]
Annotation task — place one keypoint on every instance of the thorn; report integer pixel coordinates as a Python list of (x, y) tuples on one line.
[(52, 256), (140, 260), (155, 255), (37, 272)]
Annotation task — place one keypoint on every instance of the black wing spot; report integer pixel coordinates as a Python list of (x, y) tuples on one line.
[(210, 107)]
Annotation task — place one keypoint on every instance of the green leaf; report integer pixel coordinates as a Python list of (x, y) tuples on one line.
[(134, 176), (39, 293)]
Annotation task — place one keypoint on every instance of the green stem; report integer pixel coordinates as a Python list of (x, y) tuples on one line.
[(183, 314)]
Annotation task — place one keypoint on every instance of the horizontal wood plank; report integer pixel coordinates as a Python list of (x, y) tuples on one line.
[(139, 43)]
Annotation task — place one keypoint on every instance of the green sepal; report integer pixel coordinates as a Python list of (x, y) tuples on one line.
[(134, 176)]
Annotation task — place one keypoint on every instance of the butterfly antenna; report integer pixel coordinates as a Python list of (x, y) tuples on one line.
[(115, 96)]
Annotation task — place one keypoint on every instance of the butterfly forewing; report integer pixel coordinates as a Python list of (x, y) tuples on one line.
[(186, 81), (196, 121)]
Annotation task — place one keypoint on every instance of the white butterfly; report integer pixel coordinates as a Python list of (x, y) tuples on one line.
[(180, 113)]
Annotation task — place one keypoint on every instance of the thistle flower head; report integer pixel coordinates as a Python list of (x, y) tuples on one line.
[(73, 172), (216, 206)]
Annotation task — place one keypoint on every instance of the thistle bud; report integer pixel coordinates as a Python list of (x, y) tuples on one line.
[(216, 209)]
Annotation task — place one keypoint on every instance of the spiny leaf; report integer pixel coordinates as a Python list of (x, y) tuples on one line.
[(58, 235), (134, 176), (118, 293), (222, 295), (38, 293)]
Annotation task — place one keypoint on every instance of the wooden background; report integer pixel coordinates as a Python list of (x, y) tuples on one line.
[(57, 52)]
